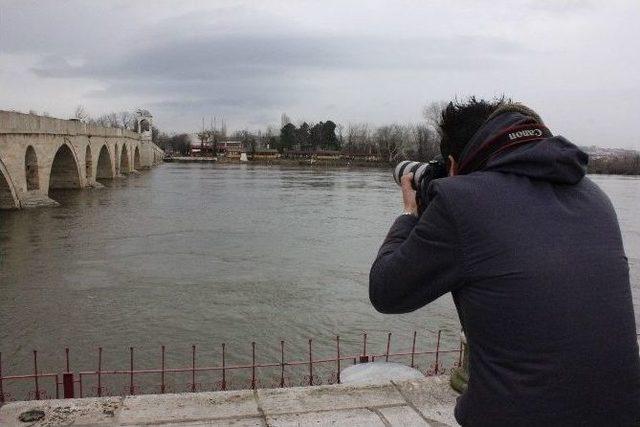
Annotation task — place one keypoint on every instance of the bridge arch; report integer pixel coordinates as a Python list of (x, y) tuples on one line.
[(124, 159), (8, 198), (136, 159), (31, 169), (105, 168), (64, 169), (88, 163)]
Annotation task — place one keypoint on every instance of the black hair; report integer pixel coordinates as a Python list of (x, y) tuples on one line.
[(460, 120)]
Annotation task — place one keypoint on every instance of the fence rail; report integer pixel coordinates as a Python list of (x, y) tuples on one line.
[(78, 383)]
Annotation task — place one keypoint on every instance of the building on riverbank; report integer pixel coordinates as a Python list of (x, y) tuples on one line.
[(264, 154)]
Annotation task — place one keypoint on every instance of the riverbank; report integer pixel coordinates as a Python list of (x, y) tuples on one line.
[(593, 169), (282, 162), (422, 402), (190, 159)]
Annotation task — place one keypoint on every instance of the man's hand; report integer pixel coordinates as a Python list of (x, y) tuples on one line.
[(409, 195)]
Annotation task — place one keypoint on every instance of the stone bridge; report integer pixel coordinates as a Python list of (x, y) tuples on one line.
[(39, 154)]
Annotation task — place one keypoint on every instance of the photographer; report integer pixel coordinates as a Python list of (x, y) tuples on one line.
[(532, 253)]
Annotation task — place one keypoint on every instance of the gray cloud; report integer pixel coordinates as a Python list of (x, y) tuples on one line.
[(237, 56)]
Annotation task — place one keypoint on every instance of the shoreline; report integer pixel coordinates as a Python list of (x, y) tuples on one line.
[(281, 162), (338, 163)]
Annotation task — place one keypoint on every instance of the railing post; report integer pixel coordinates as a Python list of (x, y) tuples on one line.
[(253, 365), (224, 371), (364, 358), (35, 371), (413, 349), (68, 391), (193, 368), (1, 389), (435, 368), (338, 356), (162, 384), (310, 364), (281, 363), (67, 385), (386, 357), (99, 372), (131, 386)]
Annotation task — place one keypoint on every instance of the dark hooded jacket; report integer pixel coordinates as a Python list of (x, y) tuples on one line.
[(531, 251)]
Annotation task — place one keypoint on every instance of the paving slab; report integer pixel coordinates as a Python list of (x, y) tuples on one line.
[(327, 398), (89, 411), (192, 407), (347, 417), (227, 422), (402, 416), (433, 398)]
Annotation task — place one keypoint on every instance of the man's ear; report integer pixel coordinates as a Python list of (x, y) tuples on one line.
[(453, 166)]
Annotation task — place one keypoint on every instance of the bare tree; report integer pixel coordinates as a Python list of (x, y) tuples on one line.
[(284, 120), (359, 139), (426, 140), (432, 112), (112, 120), (81, 114), (126, 120), (389, 142)]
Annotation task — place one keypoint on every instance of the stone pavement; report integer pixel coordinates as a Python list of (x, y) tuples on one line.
[(422, 402)]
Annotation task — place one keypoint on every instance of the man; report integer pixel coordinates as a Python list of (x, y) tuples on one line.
[(531, 251)]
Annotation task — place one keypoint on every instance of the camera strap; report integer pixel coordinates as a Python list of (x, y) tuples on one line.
[(507, 139)]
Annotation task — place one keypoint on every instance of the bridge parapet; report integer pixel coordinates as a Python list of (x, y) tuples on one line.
[(19, 123), (39, 154)]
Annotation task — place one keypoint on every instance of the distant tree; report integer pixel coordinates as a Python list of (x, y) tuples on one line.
[(389, 141), (180, 143), (249, 141), (287, 137), (427, 143), (112, 120), (303, 136), (340, 136), (284, 120), (81, 114), (625, 164), (155, 133), (126, 120), (315, 136), (432, 112), (329, 138), (359, 139)]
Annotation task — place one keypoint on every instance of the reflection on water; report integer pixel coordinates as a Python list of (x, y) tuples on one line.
[(210, 253)]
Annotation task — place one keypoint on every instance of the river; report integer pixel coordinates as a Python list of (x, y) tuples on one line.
[(204, 254)]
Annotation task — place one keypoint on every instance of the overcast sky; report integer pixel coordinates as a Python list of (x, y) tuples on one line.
[(576, 62)]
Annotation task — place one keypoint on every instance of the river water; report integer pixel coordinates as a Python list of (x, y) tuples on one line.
[(203, 254)]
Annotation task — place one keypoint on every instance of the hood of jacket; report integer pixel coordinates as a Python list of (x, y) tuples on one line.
[(552, 159)]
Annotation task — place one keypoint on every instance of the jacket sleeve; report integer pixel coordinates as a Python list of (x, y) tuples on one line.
[(419, 261)]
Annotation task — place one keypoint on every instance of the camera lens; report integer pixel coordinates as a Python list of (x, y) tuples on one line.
[(405, 167)]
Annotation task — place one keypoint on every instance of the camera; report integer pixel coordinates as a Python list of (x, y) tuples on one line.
[(423, 174)]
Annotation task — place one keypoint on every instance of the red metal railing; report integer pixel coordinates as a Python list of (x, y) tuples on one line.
[(126, 378)]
